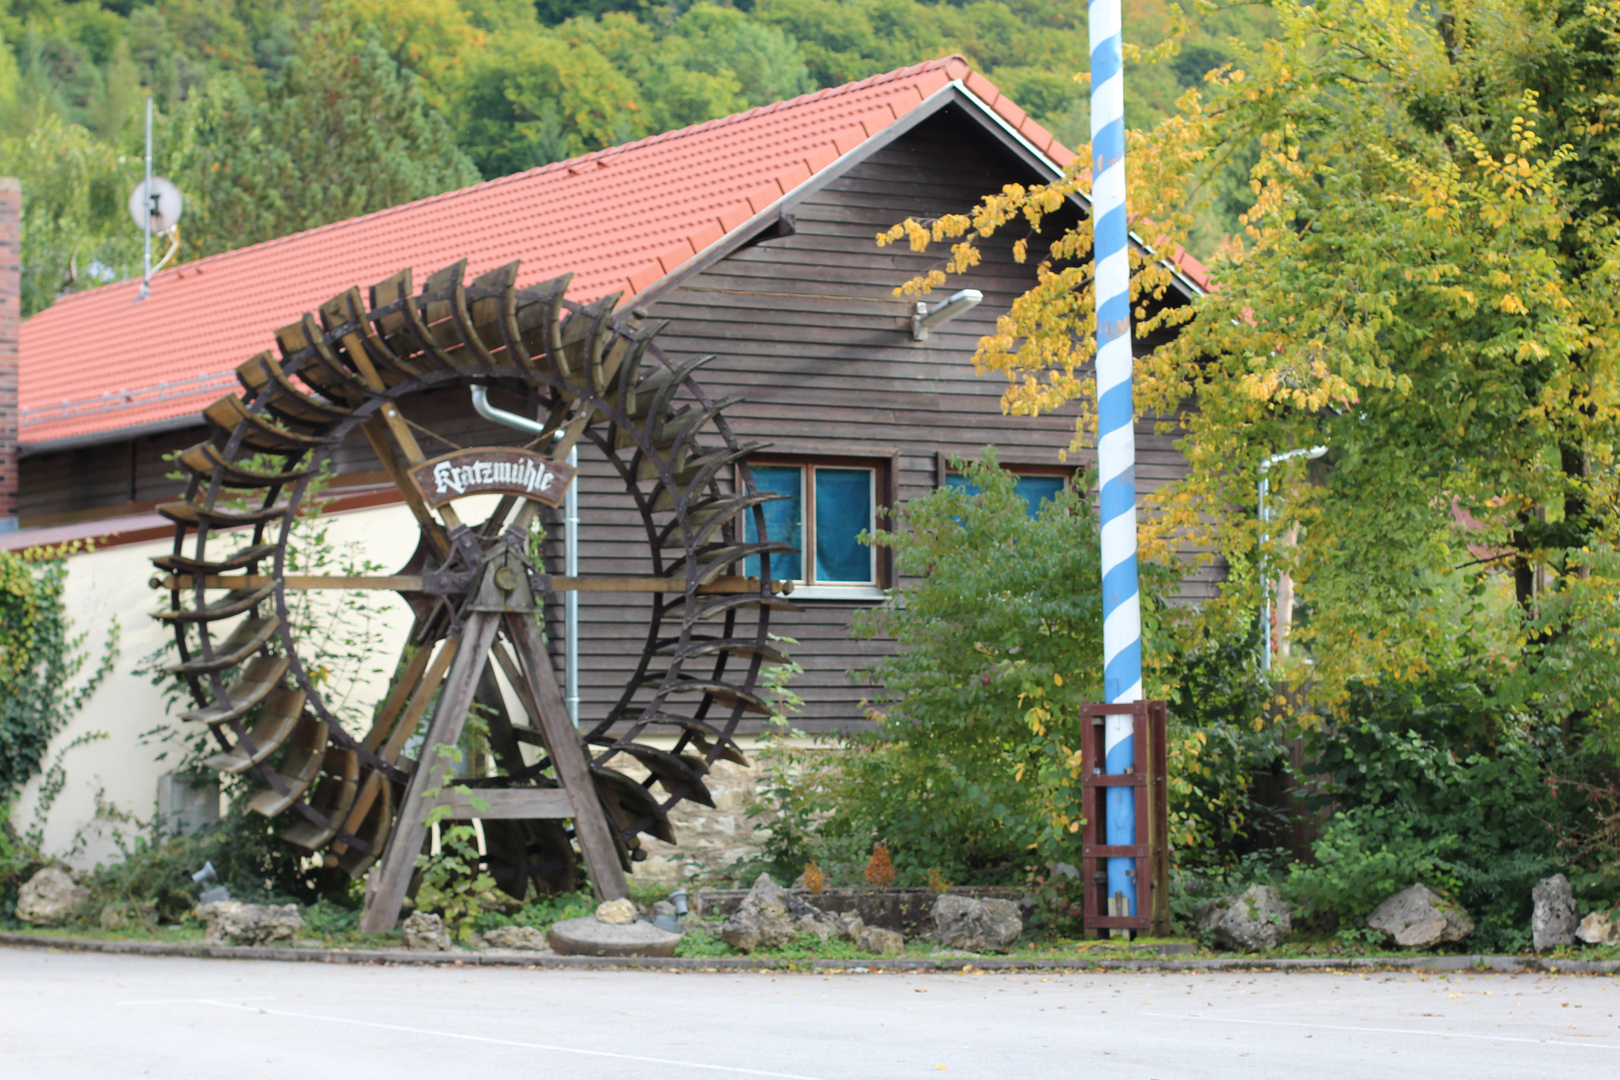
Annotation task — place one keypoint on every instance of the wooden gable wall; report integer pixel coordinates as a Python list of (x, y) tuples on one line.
[(806, 329)]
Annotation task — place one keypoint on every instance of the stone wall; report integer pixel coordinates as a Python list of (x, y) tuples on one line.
[(709, 839)]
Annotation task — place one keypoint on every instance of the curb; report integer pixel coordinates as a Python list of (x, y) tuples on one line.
[(1469, 963)]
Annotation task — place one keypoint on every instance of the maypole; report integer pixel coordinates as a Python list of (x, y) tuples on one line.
[(1116, 438)]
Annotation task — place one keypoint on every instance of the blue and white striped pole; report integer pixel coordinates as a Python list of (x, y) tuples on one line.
[(1116, 437)]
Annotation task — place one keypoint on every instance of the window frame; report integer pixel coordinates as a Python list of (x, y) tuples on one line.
[(808, 588), (942, 469)]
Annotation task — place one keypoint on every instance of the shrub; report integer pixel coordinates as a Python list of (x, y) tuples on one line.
[(972, 768), (1436, 783)]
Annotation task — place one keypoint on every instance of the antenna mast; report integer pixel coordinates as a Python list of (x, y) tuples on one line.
[(150, 197)]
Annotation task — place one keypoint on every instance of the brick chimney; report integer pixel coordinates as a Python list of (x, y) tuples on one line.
[(10, 317)]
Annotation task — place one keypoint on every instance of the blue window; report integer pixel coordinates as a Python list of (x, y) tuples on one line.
[(824, 511), (784, 520), (1035, 489)]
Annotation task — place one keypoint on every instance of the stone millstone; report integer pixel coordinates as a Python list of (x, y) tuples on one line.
[(590, 937)]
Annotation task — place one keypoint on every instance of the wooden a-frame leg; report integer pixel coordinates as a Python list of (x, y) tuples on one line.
[(455, 699), (562, 741)]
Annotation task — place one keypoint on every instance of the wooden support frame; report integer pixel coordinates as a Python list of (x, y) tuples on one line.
[(576, 799), (1148, 780)]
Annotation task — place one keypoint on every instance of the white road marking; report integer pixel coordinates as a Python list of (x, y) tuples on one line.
[(194, 1001), (504, 1042), (1381, 1030)]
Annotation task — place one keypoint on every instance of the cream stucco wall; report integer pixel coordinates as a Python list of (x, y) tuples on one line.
[(111, 583)]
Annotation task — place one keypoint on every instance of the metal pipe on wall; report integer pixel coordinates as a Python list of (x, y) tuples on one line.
[(1309, 454), (481, 405), (571, 598)]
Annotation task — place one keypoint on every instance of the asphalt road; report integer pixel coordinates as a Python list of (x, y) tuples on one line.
[(64, 1016)]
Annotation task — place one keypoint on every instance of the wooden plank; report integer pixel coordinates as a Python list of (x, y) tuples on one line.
[(568, 756), (647, 583), (507, 803), (421, 698), (410, 827)]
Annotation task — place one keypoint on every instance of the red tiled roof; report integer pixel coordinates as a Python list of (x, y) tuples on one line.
[(619, 219)]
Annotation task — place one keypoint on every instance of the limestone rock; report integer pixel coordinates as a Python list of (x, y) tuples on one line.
[(1257, 918), (1553, 920), (231, 922), (426, 933), (1599, 928), (619, 912), (592, 937), (762, 920), (961, 922), (875, 939), (518, 938), (1420, 918), (50, 897)]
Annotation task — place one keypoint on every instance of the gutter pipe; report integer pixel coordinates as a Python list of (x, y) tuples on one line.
[(481, 405)]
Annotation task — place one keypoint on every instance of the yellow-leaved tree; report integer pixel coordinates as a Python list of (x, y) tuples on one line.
[(1425, 282)]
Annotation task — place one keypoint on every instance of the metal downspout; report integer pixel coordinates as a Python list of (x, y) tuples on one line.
[(481, 405)]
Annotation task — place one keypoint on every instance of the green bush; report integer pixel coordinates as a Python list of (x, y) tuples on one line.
[(18, 861), (247, 853), (1218, 698), (972, 769), (1437, 784)]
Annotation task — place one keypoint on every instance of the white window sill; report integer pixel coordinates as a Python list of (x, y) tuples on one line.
[(868, 593)]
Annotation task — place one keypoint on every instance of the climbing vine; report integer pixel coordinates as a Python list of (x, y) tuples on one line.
[(40, 661)]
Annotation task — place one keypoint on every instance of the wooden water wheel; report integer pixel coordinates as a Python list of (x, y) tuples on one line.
[(588, 375)]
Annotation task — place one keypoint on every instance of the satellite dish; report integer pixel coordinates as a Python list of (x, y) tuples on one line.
[(165, 200)]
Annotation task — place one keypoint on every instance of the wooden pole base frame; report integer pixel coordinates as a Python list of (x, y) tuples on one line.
[(576, 800), (1108, 915)]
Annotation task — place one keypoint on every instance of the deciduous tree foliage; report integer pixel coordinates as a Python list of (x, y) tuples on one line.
[(518, 84), (342, 132), (1425, 283)]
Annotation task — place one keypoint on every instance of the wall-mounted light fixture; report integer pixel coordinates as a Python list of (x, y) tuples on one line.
[(926, 318)]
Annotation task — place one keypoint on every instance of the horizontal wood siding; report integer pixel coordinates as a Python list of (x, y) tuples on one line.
[(808, 331)]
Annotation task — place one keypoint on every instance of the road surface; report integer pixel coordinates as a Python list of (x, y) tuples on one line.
[(66, 1016)]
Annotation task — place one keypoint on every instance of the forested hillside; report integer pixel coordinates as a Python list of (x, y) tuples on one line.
[(280, 115)]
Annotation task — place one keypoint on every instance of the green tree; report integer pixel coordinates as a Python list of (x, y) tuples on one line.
[(343, 132), (538, 98), (1425, 285), (76, 232), (998, 640)]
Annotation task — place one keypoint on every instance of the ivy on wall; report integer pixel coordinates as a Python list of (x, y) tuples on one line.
[(40, 661)]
